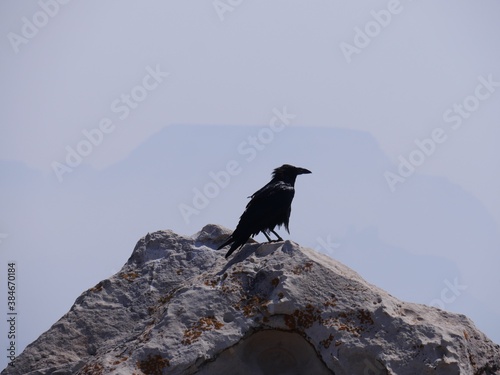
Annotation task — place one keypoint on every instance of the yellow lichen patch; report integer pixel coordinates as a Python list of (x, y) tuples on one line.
[(303, 319), (208, 323), (212, 283), (354, 322), (131, 276), (92, 369), (364, 317), (165, 299), (307, 318), (466, 335), (153, 365), (306, 267), (327, 342), (117, 362), (252, 306), (332, 302), (290, 321), (98, 287)]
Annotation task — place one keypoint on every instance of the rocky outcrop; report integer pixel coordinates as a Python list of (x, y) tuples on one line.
[(178, 307)]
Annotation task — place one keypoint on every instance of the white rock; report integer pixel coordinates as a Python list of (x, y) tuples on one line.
[(179, 307)]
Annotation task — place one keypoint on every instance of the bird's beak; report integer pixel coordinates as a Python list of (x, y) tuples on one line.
[(303, 171)]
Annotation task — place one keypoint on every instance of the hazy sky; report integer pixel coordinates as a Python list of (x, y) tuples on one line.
[(122, 118)]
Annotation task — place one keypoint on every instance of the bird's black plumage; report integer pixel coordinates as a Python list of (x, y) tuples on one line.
[(269, 207)]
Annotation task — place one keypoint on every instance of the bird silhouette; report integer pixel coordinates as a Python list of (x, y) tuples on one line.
[(269, 207)]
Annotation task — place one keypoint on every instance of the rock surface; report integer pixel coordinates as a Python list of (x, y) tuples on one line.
[(178, 307)]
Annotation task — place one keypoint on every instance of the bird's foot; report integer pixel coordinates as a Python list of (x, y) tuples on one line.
[(277, 235), (277, 240)]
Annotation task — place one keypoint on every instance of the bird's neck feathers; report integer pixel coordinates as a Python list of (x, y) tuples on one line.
[(289, 179)]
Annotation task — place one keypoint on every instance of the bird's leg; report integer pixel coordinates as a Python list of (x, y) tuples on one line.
[(277, 235), (267, 236)]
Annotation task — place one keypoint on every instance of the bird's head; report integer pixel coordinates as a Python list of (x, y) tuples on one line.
[(288, 173)]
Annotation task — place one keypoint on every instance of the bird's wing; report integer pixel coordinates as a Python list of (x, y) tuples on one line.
[(263, 191), (268, 207), (274, 193)]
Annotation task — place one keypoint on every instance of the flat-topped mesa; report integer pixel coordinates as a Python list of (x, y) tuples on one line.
[(179, 307)]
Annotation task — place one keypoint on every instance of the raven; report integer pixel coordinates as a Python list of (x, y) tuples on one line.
[(269, 207)]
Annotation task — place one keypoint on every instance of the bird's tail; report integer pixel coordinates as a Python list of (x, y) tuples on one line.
[(236, 243), (233, 247), (227, 242)]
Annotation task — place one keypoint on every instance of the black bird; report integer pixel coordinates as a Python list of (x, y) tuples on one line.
[(269, 207)]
